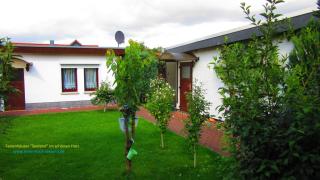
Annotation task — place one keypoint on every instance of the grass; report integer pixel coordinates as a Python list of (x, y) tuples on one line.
[(101, 150)]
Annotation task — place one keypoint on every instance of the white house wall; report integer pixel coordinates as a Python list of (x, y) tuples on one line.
[(208, 77), (43, 81), (205, 75), (285, 47)]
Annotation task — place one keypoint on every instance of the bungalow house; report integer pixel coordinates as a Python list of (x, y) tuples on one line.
[(64, 75), (189, 61), (58, 75)]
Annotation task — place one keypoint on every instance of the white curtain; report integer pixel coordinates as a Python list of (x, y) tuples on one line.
[(69, 79), (91, 78)]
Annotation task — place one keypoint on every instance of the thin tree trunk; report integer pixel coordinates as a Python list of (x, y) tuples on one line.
[(105, 107), (133, 117), (5, 103), (194, 156), (162, 143), (127, 145), (133, 127)]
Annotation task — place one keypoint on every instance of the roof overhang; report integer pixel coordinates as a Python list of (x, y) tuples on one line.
[(176, 57), (240, 34), (20, 63)]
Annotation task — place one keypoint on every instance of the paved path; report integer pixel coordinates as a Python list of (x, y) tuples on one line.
[(52, 110), (210, 136)]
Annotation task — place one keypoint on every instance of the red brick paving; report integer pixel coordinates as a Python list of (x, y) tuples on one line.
[(210, 137), (53, 110)]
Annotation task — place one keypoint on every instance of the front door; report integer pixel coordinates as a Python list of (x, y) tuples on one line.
[(16, 101), (185, 84)]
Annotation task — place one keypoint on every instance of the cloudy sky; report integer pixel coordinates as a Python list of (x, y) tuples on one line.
[(154, 22)]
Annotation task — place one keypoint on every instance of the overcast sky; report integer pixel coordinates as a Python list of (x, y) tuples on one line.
[(154, 22)]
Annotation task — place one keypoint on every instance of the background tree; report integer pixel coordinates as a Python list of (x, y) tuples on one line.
[(6, 69), (159, 103), (130, 78), (198, 108), (103, 95), (149, 72)]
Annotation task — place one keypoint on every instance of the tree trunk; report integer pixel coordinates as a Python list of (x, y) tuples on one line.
[(133, 127), (127, 145), (162, 143), (105, 107), (194, 156)]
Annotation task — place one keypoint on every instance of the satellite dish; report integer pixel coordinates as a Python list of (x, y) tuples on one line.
[(119, 36)]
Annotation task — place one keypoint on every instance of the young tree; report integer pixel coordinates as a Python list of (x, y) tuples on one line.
[(252, 76), (198, 108), (129, 72), (103, 95), (270, 116), (159, 103), (6, 69)]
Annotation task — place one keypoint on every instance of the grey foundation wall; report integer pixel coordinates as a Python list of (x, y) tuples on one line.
[(62, 104)]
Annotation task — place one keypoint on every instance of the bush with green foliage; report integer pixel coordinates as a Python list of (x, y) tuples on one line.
[(198, 108), (300, 126), (270, 107), (159, 103), (103, 95)]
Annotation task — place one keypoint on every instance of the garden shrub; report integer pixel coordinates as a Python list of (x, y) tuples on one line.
[(270, 105), (103, 95), (159, 103), (300, 126)]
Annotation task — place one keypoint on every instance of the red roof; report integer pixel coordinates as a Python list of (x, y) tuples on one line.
[(73, 48)]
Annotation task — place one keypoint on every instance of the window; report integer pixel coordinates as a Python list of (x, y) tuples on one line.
[(186, 73), (17, 74), (90, 79), (69, 80)]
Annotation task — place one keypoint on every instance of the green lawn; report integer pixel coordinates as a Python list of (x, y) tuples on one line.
[(100, 152)]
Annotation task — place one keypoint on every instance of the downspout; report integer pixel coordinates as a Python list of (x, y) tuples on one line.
[(177, 85)]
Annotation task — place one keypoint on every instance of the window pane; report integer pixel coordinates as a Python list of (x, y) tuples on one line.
[(69, 79), (186, 72), (17, 74), (91, 79)]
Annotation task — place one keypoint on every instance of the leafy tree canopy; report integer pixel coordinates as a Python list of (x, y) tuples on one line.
[(133, 73)]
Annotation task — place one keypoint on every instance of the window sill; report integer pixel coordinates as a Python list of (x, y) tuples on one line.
[(89, 92), (69, 93)]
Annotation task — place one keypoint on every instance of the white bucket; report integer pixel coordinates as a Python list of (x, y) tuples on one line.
[(122, 124)]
